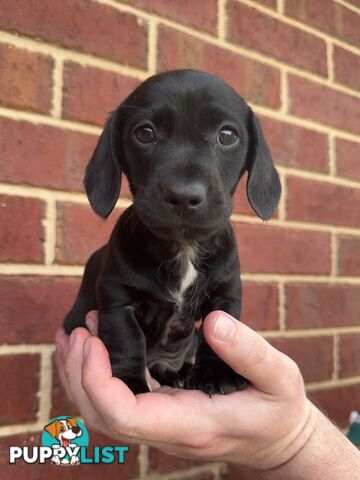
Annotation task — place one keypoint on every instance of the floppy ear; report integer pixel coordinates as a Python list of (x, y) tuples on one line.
[(72, 421), (263, 184), (103, 174), (53, 428)]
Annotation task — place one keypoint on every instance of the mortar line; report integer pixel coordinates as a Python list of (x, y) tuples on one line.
[(336, 357), (221, 19), (349, 6), (282, 310), (309, 332), (57, 88), (284, 92), (20, 349), (152, 46), (143, 460), (142, 74), (280, 7), (344, 382), (334, 254), (49, 224), (322, 177), (332, 155), (283, 198), (330, 61), (45, 387)]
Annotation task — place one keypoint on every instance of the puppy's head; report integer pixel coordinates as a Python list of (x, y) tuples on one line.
[(183, 139)]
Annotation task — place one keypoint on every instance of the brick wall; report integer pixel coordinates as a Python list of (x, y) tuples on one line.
[(63, 66)]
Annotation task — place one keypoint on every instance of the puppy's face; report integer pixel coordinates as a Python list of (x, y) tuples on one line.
[(184, 139)]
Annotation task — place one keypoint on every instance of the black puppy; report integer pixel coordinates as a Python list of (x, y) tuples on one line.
[(183, 139)]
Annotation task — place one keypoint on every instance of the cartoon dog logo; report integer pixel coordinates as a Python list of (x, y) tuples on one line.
[(64, 431)]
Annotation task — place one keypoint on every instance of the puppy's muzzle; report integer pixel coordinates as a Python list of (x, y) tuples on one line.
[(183, 197)]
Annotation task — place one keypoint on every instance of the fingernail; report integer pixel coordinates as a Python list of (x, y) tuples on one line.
[(224, 328), (72, 339), (86, 348)]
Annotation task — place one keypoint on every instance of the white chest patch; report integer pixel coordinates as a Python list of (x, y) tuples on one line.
[(185, 260)]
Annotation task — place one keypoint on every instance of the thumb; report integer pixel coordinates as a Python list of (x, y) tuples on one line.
[(249, 354)]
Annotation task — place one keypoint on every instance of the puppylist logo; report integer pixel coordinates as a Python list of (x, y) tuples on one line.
[(65, 442)]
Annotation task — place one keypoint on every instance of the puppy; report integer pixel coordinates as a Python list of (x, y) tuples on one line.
[(183, 139)]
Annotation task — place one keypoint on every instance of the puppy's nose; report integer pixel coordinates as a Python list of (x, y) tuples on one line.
[(184, 196)]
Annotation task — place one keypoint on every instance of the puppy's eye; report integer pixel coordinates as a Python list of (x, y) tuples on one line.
[(145, 134), (227, 136)]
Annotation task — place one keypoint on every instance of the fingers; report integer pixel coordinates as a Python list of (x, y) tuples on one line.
[(92, 321), (250, 355)]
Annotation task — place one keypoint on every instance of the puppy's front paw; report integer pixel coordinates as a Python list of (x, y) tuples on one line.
[(215, 378), (136, 385)]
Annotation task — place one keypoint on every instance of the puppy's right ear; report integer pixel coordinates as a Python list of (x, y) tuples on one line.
[(103, 174)]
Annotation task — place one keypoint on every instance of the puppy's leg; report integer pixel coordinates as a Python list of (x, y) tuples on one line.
[(86, 299), (209, 373), (126, 344)]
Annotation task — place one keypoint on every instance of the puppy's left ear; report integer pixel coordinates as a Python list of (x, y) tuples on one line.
[(103, 174), (263, 184)]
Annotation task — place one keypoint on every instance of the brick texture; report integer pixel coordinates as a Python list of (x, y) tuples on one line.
[(58, 157), (21, 230), (321, 202), (349, 255), (75, 24), (314, 355), (64, 66), (349, 355), (321, 306), (337, 402), (201, 15), (347, 158), (347, 68), (327, 16), (255, 81), (33, 307), (323, 104), (269, 249), (12, 368), (80, 231), (26, 79), (84, 101), (257, 31)]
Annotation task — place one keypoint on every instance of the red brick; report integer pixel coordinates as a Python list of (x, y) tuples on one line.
[(253, 29), (349, 355), (269, 249), (347, 67), (76, 24), (83, 100), (21, 229), (19, 383), (260, 306), (295, 146), (33, 307), (128, 470), (26, 79), (255, 81), (337, 402), (348, 159), (314, 355), (349, 255), (58, 157), (328, 16), (268, 3), (160, 462), (322, 306), (202, 15), (80, 232), (323, 104), (321, 202)]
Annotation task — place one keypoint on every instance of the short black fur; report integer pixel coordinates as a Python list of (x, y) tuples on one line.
[(172, 258)]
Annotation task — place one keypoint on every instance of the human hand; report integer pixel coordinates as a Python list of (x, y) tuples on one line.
[(261, 427)]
